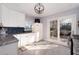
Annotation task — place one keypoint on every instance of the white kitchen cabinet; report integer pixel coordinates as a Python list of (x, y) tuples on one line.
[(12, 18), (10, 49), (38, 28)]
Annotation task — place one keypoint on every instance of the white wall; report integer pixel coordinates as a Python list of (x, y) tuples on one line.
[(44, 22), (58, 16)]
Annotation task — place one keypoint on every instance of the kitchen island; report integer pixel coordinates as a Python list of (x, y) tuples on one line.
[(26, 38)]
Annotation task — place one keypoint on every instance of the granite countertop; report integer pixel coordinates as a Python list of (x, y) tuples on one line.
[(7, 40)]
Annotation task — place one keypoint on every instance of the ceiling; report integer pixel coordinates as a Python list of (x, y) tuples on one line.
[(50, 8)]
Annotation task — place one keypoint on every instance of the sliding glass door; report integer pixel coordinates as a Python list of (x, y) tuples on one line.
[(62, 27), (65, 29)]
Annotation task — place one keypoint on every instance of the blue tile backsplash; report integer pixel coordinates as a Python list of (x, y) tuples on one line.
[(15, 30)]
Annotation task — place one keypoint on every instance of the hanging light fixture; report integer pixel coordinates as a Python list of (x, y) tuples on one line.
[(39, 8)]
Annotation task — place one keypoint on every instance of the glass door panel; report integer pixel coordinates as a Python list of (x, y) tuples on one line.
[(53, 29), (65, 29)]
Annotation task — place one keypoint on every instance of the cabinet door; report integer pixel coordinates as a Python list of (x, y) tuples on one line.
[(12, 18), (10, 49), (2, 50)]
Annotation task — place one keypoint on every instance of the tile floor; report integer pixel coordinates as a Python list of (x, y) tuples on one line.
[(44, 48)]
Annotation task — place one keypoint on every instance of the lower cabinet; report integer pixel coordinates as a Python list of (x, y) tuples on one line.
[(27, 38), (10, 49)]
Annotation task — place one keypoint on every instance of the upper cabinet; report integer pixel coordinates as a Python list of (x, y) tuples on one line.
[(12, 18)]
